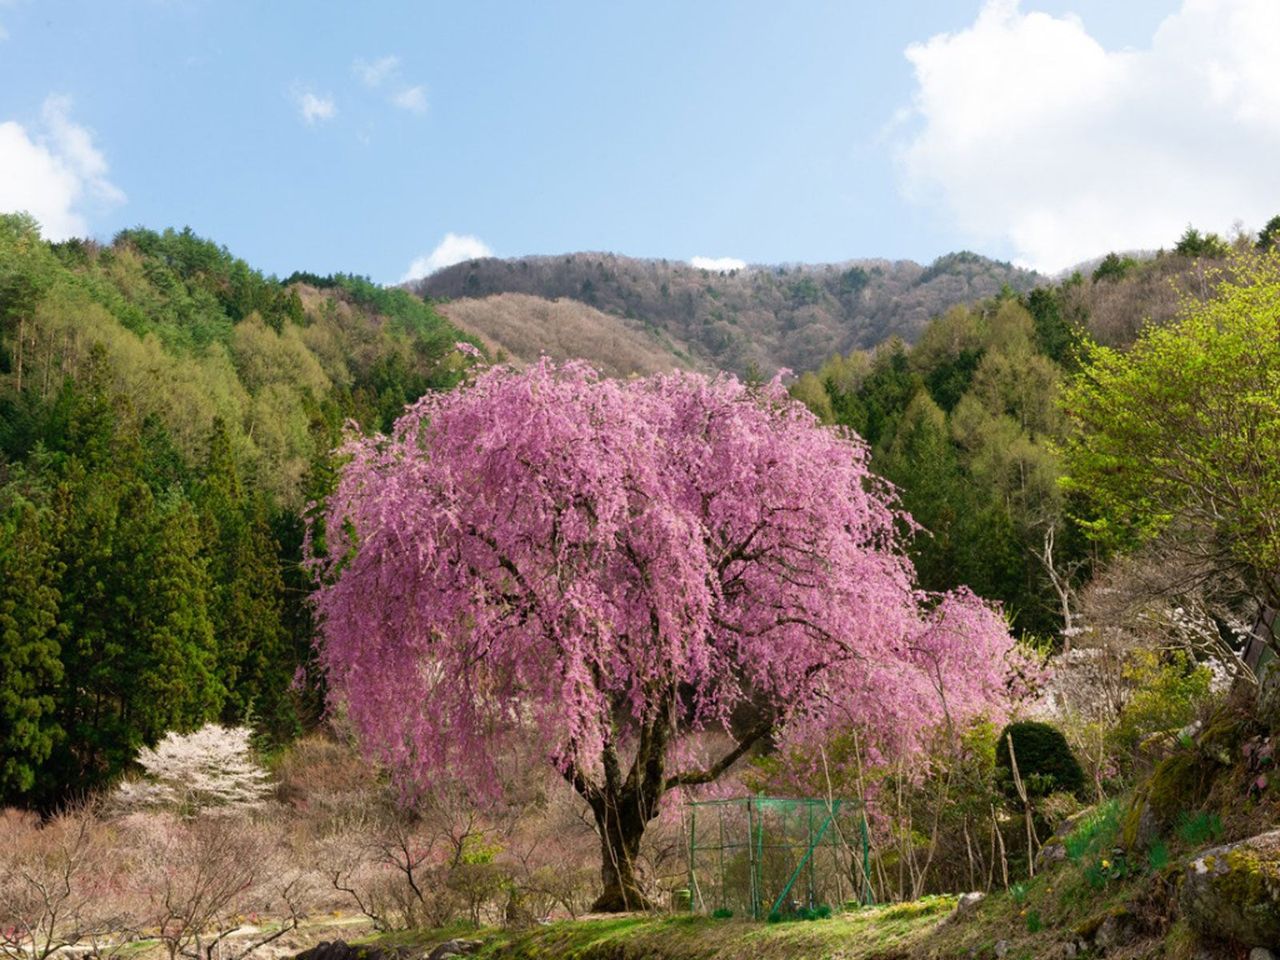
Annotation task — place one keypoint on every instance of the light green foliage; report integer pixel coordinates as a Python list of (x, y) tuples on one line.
[(1167, 693), (808, 390), (1185, 427)]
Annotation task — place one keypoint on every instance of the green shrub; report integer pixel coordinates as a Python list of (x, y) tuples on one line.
[(1034, 923), (1045, 761), (722, 913)]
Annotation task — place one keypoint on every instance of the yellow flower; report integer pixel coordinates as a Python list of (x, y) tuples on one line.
[(1106, 864)]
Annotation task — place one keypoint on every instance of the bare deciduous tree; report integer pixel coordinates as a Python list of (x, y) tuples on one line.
[(196, 879), (54, 889)]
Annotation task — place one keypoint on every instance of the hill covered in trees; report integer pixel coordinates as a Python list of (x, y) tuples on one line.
[(1099, 454), (755, 319), (968, 421), (166, 413)]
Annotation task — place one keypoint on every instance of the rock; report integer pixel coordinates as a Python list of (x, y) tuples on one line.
[(1002, 948), (1261, 953), (341, 950), (1115, 931), (455, 948), (1052, 853), (966, 905), (1232, 892), (1139, 828)]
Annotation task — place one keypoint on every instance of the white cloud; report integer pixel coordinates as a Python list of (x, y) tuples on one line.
[(1031, 133), (718, 264), (413, 99), (454, 248), (313, 107), (54, 173), (373, 74)]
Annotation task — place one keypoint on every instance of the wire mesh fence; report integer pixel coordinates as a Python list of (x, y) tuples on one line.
[(763, 857)]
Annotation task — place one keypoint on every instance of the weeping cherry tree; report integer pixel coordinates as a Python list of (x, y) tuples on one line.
[(620, 568)]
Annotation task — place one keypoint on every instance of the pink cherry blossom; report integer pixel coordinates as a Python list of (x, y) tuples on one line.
[(617, 565)]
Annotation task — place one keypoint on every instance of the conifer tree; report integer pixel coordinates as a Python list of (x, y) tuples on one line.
[(30, 662)]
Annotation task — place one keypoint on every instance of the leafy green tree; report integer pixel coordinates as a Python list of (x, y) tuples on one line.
[(26, 273), (808, 389), (922, 462), (1056, 334), (139, 657), (886, 392), (1183, 431), (1045, 761)]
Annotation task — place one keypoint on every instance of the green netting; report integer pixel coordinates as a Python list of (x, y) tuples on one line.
[(760, 856)]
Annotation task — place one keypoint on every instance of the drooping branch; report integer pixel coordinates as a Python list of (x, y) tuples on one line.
[(692, 778)]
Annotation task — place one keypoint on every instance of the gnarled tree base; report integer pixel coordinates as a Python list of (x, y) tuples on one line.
[(617, 900)]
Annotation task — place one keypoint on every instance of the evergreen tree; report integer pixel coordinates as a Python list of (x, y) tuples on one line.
[(30, 647), (254, 662)]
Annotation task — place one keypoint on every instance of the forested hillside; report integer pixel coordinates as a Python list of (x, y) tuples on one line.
[(598, 551), (968, 421), (755, 319), (166, 414)]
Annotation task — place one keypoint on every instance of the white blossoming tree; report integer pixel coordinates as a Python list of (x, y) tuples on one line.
[(212, 767)]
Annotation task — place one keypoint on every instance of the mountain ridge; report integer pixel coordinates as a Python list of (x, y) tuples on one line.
[(757, 319)]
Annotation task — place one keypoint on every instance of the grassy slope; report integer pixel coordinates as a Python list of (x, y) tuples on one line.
[(880, 933), (922, 929), (1067, 904), (1105, 882)]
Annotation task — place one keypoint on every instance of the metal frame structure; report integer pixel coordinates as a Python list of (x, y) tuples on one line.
[(773, 856)]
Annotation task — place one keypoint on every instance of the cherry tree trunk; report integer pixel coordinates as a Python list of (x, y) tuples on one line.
[(621, 823)]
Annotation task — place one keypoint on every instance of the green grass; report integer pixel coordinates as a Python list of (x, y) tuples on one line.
[(874, 933), (1200, 827), (1094, 832)]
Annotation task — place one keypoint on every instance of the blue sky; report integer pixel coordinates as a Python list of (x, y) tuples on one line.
[(341, 136)]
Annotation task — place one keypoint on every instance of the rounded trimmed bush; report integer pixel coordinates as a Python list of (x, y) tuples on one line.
[(1045, 761)]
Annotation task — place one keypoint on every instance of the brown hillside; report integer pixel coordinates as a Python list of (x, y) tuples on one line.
[(759, 317), (523, 327)]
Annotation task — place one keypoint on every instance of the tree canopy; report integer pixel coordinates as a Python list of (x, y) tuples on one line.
[(616, 566), (1183, 429)]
